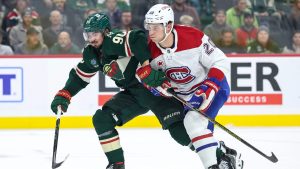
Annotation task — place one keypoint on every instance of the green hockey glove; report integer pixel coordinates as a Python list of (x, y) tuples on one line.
[(151, 76), (62, 98)]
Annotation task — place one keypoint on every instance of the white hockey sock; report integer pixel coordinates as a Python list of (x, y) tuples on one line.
[(202, 138)]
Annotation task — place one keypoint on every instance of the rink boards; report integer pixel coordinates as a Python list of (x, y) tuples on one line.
[(264, 92)]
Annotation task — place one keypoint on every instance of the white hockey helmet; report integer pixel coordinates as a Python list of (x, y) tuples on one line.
[(159, 13)]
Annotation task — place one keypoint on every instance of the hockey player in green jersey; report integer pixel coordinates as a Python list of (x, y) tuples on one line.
[(117, 55)]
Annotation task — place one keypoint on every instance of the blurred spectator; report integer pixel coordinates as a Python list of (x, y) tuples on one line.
[(9, 4), (205, 10), (223, 4), (214, 30), (43, 7), (50, 34), (69, 17), (113, 12), (206, 7), (78, 37), (17, 34), (263, 43), (126, 21), (180, 7), (81, 5), (227, 43), (186, 20), (32, 44), (294, 17), (295, 46), (2, 13), (122, 4), (14, 16), (139, 10), (235, 15), (4, 49), (265, 8), (247, 32), (64, 45)]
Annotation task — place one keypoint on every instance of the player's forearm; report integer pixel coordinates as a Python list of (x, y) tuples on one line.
[(74, 83)]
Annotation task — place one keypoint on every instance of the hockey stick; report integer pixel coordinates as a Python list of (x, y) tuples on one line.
[(272, 158), (54, 164)]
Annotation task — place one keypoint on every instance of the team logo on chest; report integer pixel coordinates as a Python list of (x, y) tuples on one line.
[(180, 74)]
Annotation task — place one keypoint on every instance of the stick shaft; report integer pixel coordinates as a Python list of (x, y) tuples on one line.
[(57, 125)]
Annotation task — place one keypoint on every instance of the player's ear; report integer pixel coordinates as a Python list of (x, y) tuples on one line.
[(169, 26)]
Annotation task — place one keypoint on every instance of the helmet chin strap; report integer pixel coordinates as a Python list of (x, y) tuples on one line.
[(165, 33)]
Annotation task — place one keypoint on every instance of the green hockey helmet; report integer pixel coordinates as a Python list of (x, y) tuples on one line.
[(97, 22)]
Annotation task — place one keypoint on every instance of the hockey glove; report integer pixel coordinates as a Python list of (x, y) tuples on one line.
[(62, 98), (150, 76), (205, 94)]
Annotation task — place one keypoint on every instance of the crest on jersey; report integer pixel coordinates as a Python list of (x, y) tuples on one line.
[(113, 70), (180, 75), (160, 63)]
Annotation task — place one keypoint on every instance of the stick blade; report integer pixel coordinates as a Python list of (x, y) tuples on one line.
[(273, 158), (56, 165)]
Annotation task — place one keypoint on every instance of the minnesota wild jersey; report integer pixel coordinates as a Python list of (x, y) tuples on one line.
[(117, 57)]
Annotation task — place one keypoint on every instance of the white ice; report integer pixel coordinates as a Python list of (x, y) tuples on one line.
[(144, 149)]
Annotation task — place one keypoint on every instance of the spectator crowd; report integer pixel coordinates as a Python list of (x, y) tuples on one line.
[(235, 26)]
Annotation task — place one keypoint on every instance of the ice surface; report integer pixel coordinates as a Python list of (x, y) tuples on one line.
[(144, 149)]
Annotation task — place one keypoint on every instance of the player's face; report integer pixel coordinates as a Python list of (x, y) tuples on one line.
[(156, 32), (93, 38)]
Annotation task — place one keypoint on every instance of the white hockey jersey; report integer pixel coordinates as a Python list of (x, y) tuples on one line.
[(188, 62)]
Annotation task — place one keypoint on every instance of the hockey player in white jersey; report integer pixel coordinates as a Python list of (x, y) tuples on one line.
[(197, 71)]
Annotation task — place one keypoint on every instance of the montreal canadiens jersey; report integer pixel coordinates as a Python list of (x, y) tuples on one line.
[(188, 62)]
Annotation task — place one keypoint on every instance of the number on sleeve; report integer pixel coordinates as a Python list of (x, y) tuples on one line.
[(209, 47)]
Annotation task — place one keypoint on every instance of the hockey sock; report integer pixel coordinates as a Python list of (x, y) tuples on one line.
[(202, 138), (111, 146), (108, 136)]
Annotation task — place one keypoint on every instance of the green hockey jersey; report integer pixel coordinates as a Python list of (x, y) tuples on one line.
[(118, 57)]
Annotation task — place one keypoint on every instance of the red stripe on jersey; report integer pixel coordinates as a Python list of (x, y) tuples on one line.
[(216, 73), (202, 137), (127, 46), (109, 141), (83, 74), (188, 37)]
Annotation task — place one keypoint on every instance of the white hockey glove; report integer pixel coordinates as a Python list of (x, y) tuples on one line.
[(205, 94)]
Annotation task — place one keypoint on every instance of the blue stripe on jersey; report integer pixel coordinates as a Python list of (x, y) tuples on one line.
[(206, 146)]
